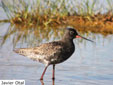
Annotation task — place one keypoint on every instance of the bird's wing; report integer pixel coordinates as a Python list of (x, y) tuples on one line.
[(46, 51)]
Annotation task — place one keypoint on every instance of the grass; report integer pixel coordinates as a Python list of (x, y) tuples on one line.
[(32, 21), (110, 5), (80, 14)]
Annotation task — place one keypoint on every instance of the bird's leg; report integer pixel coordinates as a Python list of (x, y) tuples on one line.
[(43, 73), (53, 72)]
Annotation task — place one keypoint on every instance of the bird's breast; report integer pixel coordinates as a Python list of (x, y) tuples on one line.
[(67, 52)]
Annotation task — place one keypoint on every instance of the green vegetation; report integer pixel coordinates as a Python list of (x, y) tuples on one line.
[(44, 12), (42, 17)]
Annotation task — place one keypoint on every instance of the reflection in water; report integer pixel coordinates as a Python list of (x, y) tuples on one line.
[(90, 65), (31, 36), (53, 82), (42, 82)]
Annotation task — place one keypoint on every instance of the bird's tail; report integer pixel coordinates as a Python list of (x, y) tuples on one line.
[(16, 50), (25, 52), (22, 51), (19, 51)]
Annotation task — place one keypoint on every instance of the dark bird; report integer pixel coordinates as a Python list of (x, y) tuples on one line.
[(52, 53)]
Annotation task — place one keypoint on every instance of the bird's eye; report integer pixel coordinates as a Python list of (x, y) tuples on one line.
[(71, 32)]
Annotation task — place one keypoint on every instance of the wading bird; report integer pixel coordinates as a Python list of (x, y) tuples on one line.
[(53, 53)]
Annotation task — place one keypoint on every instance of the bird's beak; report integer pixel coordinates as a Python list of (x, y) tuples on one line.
[(79, 36)]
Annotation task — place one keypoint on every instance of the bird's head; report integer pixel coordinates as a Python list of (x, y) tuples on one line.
[(71, 33)]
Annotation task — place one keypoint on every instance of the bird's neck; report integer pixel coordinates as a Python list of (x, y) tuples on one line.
[(67, 40)]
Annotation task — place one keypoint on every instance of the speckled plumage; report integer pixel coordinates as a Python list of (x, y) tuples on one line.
[(52, 52), (48, 53)]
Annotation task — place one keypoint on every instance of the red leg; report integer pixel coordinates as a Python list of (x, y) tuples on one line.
[(53, 72), (43, 73)]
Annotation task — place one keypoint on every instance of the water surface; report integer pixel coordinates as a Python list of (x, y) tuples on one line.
[(91, 64)]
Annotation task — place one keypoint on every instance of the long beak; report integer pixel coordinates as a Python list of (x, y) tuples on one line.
[(79, 36)]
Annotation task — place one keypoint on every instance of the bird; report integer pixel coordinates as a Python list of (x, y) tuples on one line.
[(53, 53)]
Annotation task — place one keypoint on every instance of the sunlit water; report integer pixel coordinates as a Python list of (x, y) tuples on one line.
[(91, 64)]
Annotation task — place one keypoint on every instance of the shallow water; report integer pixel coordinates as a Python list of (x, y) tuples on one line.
[(91, 64)]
